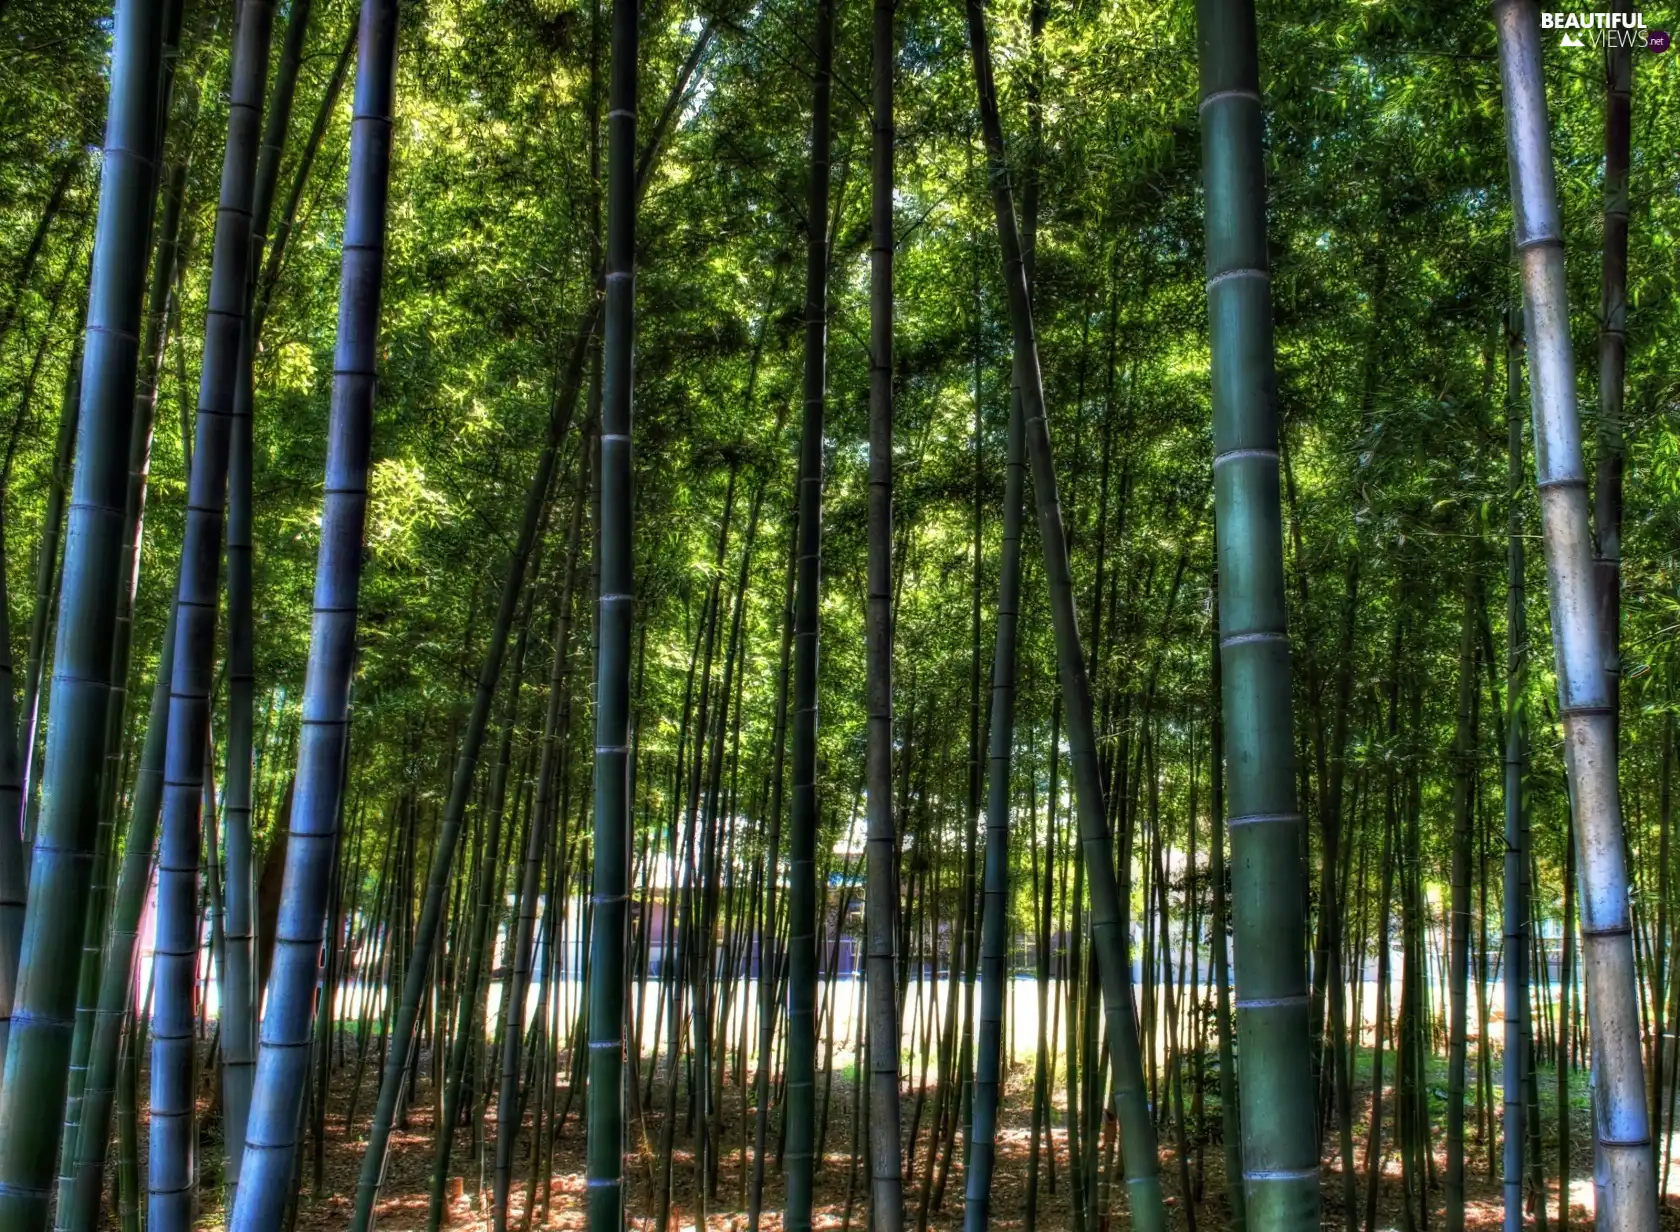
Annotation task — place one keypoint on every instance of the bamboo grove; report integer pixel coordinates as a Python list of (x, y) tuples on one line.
[(820, 614)]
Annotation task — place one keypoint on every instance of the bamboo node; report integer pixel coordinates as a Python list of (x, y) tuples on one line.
[(1245, 639), (1242, 271), (1221, 95), (1270, 1003), (1254, 819)]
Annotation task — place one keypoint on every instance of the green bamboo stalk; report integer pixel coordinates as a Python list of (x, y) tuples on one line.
[(300, 178), (1515, 974), (881, 922), (46, 567), (799, 1072), (1458, 973), (14, 770), (37, 1053), (19, 278), (1612, 357), (1344, 1043), (983, 1125), (14, 876), (769, 964), (1280, 1146)]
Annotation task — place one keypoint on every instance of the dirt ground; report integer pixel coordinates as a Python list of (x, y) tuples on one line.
[(842, 1182)]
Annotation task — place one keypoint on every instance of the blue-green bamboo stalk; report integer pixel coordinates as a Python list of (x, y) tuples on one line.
[(604, 1145), (171, 1159), (116, 974), (271, 1139), (239, 999), (159, 300), (36, 1072)]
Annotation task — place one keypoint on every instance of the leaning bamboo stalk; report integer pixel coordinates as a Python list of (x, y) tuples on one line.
[(537, 840), (469, 995), (14, 790), (274, 259), (1108, 927), (1621, 1116), (171, 1169), (20, 278), (417, 972)]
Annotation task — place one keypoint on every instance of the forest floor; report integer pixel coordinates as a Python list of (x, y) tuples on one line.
[(841, 1186)]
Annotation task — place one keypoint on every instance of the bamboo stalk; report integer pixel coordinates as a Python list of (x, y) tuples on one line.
[(1585, 702)]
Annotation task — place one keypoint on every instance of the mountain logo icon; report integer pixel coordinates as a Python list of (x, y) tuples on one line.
[(1571, 40)]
